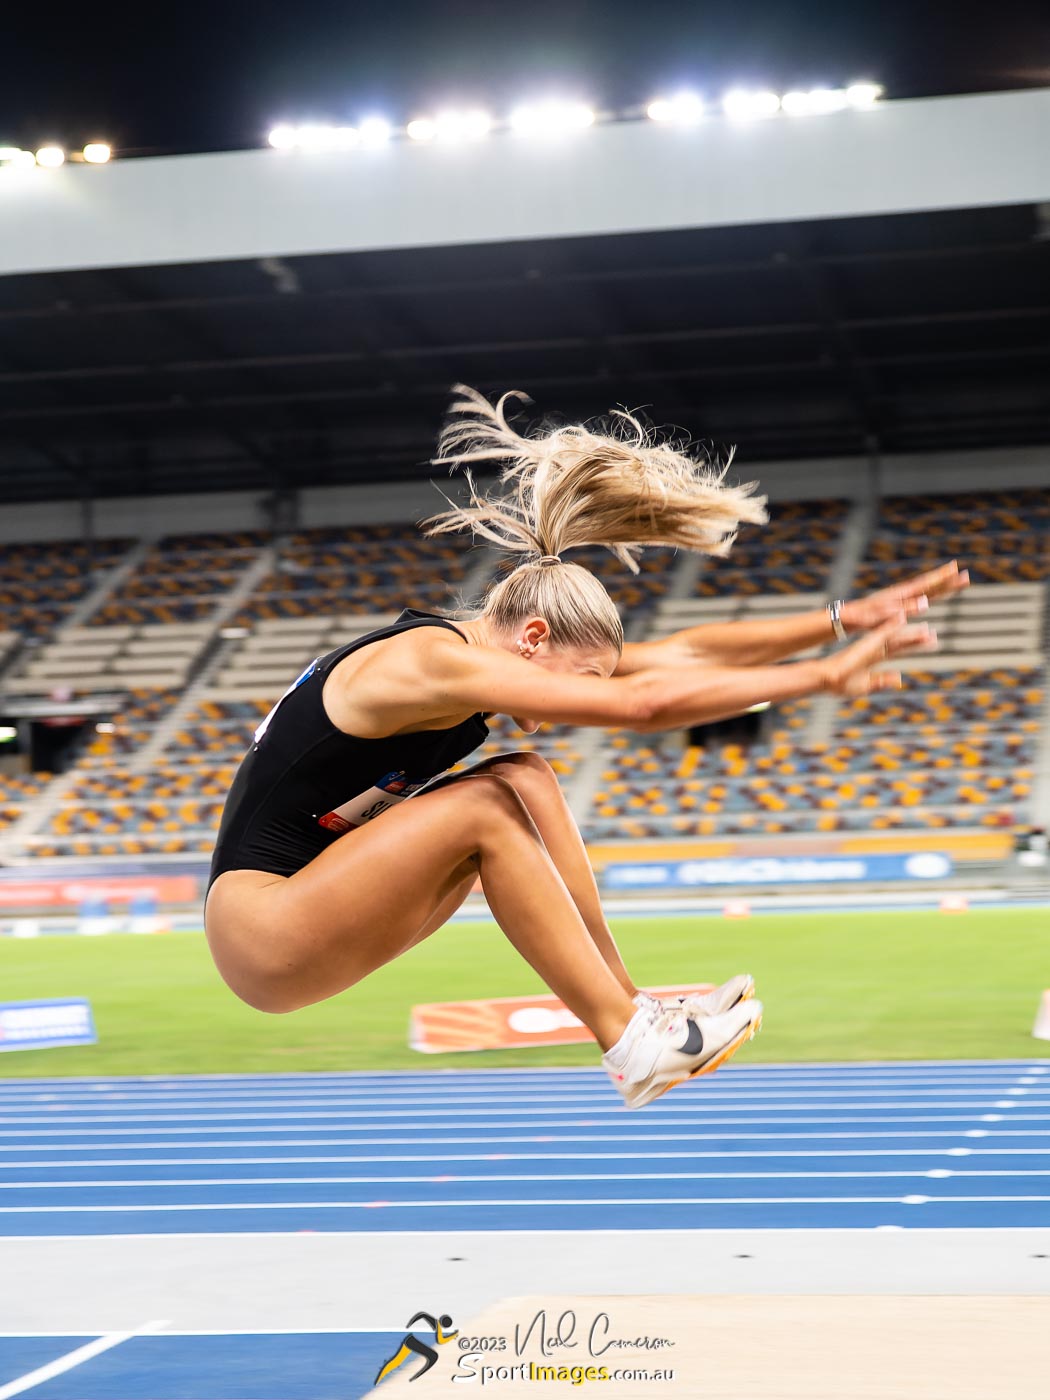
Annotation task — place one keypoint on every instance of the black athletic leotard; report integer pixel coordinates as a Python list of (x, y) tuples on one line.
[(304, 783)]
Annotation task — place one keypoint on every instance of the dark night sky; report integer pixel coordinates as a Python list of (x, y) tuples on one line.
[(186, 77)]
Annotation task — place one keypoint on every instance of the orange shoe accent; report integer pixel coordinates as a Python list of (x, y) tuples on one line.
[(728, 1051), (725, 1054)]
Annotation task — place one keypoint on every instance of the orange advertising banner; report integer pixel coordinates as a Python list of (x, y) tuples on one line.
[(121, 889), (506, 1023)]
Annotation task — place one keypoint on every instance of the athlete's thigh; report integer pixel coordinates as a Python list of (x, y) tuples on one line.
[(358, 904)]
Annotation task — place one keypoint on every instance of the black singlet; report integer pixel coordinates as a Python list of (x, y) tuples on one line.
[(304, 783)]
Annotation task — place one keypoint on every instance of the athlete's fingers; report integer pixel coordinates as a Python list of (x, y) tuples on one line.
[(941, 582), (871, 647), (921, 638), (886, 680)]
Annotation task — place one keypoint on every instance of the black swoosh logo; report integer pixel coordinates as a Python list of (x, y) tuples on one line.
[(694, 1041)]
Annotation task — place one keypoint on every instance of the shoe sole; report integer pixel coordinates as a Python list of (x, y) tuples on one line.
[(717, 1061)]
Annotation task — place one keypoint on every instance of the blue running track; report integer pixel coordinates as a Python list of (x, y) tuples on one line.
[(935, 1145)]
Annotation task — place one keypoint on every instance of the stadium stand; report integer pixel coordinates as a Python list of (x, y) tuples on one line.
[(791, 554), (1003, 536), (128, 657), (559, 744), (41, 583), (182, 579), (272, 652), (634, 594), (325, 572), (133, 726), (955, 748), (9, 644), (15, 791)]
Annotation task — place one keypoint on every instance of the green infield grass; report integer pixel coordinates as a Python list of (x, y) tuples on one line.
[(836, 986)]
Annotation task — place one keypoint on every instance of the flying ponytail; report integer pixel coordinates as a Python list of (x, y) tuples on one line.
[(567, 487)]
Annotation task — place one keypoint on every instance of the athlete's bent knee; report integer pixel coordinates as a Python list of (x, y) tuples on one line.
[(493, 800), (524, 760)]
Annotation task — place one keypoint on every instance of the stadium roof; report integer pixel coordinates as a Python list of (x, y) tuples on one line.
[(799, 336)]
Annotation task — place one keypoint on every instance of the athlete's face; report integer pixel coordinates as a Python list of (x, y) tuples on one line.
[(533, 643)]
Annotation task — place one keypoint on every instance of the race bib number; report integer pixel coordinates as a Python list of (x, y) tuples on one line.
[(388, 792)]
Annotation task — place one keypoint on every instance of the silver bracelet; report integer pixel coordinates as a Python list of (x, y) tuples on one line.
[(835, 613)]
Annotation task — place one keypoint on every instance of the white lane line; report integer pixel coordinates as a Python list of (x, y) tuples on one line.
[(727, 1133), (532, 1202), (335, 1076), (72, 1138), (660, 1153), (544, 1111), (440, 1106), (61, 1364), (426, 1094), (241, 1182)]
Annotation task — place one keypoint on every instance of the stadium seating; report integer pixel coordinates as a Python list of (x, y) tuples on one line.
[(92, 658), (954, 748), (957, 747), (133, 726), (363, 569), (15, 791), (9, 644), (217, 732), (792, 553), (633, 594), (558, 743), (41, 583), (182, 579), (1001, 537), (267, 657)]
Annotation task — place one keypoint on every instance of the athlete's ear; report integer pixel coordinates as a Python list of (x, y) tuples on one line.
[(533, 632)]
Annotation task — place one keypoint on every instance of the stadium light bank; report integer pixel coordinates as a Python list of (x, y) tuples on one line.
[(553, 119), (549, 119), (51, 156)]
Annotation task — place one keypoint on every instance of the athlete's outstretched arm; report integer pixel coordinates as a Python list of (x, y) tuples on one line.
[(485, 678), (760, 641)]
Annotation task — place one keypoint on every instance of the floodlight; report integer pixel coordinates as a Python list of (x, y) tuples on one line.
[(317, 136), (421, 129), (24, 160), (818, 102), (375, 131), (9, 153), (283, 137), (97, 152), (684, 108), (551, 118), (740, 105), (823, 101), (863, 95), (50, 156), (462, 126)]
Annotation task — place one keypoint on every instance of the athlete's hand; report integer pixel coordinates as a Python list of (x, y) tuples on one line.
[(913, 596), (850, 671)]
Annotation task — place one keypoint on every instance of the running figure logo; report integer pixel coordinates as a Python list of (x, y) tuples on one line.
[(413, 1346)]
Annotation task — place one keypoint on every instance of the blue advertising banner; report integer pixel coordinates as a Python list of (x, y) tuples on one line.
[(777, 870), (37, 1025)]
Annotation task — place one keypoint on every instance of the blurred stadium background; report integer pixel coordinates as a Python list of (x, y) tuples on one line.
[(221, 376)]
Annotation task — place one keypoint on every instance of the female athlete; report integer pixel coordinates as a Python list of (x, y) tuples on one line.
[(337, 851)]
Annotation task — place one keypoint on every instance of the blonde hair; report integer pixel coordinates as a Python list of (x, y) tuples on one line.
[(620, 487)]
